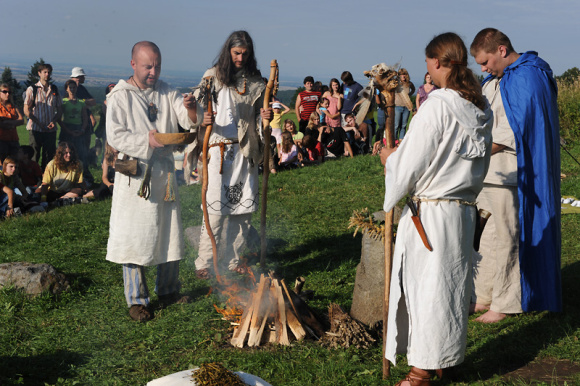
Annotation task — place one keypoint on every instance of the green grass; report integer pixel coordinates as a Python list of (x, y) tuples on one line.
[(85, 336)]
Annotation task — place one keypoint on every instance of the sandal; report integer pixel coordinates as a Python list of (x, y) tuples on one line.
[(417, 377), (203, 274), (139, 313)]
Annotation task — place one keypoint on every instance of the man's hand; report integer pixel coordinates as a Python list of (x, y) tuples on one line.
[(266, 114), (208, 118), (152, 141), (190, 104), (385, 153), (51, 126), (189, 101)]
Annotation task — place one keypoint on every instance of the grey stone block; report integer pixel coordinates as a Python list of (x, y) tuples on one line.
[(33, 278)]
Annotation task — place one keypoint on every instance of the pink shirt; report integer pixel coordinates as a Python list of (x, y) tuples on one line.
[(333, 109), (284, 157)]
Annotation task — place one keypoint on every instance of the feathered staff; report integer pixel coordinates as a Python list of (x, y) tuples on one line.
[(207, 97), (386, 80), (272, 80)]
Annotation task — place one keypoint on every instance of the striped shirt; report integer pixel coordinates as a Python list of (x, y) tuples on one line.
[(45, 109), (308, 101)]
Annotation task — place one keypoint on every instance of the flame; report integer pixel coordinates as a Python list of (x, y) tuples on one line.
[(236, 292)]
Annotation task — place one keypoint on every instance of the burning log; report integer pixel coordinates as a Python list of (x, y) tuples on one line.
[(271, 311)]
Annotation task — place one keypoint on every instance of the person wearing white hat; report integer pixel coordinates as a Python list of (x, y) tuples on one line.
[(78, 75)]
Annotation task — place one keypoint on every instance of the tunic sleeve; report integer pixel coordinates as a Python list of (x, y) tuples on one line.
[(411, 160)]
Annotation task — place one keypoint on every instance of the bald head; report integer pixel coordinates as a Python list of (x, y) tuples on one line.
[(144, 44), (146, 63)]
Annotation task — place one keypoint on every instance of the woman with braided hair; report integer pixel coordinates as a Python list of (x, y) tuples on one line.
[(441, 165)]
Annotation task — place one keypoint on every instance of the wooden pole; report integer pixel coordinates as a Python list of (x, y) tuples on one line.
[(390, 139), (386, 80), (208, 96), (266, 171)]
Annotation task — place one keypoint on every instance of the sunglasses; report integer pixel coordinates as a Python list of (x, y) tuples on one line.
[(6, 92)]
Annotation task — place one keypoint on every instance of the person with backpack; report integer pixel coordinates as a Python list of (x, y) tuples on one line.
[(43, 107)]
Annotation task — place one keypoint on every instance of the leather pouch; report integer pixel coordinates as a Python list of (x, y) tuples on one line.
[(128, 166)]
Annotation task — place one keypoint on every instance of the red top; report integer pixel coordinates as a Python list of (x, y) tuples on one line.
[(318, 151), (8, 134), (308, 101)]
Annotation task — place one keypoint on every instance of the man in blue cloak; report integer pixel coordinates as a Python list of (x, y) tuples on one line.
[(518, 267)]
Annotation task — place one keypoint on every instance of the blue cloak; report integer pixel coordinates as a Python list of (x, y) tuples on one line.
[(529, 93)]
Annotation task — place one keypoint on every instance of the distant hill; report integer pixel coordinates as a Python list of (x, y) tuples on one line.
[(285, 97)]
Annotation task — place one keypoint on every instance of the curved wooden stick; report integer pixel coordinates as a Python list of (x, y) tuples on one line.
[(205, 178), (390, 137), (266, 169)]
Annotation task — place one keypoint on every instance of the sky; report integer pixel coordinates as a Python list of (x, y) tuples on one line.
[(308, 37)]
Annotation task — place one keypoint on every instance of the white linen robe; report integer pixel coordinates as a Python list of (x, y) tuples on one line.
[(144, 232), (445, 155)]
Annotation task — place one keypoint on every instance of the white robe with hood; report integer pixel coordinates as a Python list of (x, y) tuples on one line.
[(144, 232), (445, 155)]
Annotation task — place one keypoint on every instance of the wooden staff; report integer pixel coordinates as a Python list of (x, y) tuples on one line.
[(387, 83), (205, 158), (390, 137), (267, 132)]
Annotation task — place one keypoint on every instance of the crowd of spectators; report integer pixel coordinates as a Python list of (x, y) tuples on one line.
[(327, 120), (51, 171)]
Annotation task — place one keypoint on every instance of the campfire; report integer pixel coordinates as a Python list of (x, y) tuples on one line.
[(272, 314)]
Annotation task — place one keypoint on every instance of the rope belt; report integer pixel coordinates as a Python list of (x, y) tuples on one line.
[(222, 144), (419, 200)]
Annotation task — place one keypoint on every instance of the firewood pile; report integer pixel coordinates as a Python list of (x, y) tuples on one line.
[(276, 315), (345, 331)]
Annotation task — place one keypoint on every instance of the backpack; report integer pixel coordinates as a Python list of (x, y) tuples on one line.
[(53, 90)]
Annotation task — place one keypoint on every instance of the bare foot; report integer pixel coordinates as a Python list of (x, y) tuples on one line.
[(491, 317), (475, 308)]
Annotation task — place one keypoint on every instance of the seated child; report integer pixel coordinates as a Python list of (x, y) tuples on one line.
[(297, 136), (314, 154), (357, 135), (29, 171), (335, 141), (105, 189), (289, 154), (13, 194), (63, 176), (313, 124)]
